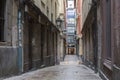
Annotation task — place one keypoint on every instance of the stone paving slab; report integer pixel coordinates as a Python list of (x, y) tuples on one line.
[(67, 71)]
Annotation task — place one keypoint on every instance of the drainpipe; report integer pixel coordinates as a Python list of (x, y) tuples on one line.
[(20, 50), (95, 36)]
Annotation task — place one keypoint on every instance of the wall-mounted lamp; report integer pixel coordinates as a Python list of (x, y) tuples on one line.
[(58, 22)]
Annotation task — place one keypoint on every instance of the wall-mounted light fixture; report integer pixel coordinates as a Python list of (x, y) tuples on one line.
[(58, 22)]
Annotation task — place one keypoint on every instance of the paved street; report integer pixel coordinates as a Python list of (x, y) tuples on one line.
[(70, 69), (71, 60)]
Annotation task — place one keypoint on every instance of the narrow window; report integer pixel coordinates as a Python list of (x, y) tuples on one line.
[(2, 11), (43, 6), (47, 12), (55, 10), (52, 17)]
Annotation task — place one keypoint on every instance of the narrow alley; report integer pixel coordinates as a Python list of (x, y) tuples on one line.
[(60, 39), (70, 69)]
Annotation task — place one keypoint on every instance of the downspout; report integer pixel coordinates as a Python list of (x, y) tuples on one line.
[(95, 36), (19, 27)]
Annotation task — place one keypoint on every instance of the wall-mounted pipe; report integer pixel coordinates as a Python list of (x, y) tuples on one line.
[(20, 50)]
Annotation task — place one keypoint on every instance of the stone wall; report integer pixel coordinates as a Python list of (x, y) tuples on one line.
[(88, 40), (8, 61), (86, 6), (49, 8), (8, 48), (109, 69), (116, 38)]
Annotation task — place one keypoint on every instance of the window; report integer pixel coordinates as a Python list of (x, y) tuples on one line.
[(70, 39), (43, 6), (55, 10), (108, 29), (52, 17), (51, 3), (2, 10), (47, 12), (71, 30)]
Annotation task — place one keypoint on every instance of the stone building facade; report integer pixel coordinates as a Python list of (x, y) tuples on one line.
[(79, 27), (88, 33), (29, 38), (101, 37), (50, 8), (110, 39), (8, 37), (44, 38), (115, 38)]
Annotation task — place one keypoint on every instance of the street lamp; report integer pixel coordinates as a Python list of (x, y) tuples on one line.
[(58, 22)]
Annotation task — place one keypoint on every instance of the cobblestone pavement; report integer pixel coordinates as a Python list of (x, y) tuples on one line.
[(70, 69)]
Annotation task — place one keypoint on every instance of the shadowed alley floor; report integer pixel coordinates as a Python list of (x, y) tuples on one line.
[(70, 69)]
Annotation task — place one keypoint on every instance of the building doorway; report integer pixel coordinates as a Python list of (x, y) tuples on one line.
[(71, 51), (42, 43), (30, 46)]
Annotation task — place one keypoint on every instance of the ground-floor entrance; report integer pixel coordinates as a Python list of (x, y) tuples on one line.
[(71, 50)]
